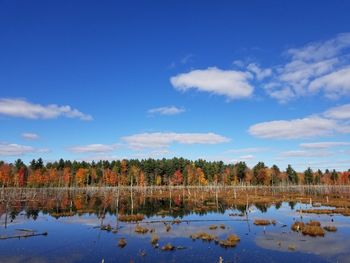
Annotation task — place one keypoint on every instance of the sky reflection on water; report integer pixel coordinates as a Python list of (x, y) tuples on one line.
[(78, 238)]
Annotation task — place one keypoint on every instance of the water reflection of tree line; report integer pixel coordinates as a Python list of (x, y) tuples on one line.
[(175, 203), (69, 203)]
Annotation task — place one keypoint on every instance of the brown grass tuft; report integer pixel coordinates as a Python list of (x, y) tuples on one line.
[(154, 239), (141, 230), (314, 223), (131, 218), (297, 226), (330, 228), (313, 231), (262, 222), (231, 241), (168, 247), (204, 236), (122, 242)]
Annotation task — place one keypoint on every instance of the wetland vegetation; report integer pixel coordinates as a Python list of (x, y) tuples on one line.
[(175, 223)]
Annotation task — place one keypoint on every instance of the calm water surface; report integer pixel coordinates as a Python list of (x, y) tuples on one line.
[(74, 233)]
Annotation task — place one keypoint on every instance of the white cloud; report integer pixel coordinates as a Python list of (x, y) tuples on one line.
[(30, 136), (168, 110), (247, 150), (334, 120), (230, 83), (321, 67), (334, 84), (339, 113), (293, 129), (306, 153), (323, 145), (317, 67), (93, 148), (101, 157), (246, 157), (12, 149), (239, 63), (25, 109), (323, 49), (163, 140), (259, 72), (155, 154)]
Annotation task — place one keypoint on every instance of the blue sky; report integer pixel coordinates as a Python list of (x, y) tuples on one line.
[(230, 80)]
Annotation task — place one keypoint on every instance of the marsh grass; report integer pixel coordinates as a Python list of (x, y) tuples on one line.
[(154, 239), (339, 210), (312, 228), (313, 231), (131, 218), (262, 222), (168, 247), (141, 230), (203, 236), (330, 228), (122, 242), (231, 241)]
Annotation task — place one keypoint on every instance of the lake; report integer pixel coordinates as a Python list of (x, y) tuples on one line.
[(98, 225)]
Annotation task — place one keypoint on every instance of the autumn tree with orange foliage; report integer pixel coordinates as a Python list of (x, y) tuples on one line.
[(67, 176), (123, 180), (191, 175), (201, 177), (110, 177), (80, 177), (177, 178), (141, 181), (5, 175)]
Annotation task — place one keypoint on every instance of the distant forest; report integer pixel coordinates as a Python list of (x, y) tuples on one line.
[(174, 172)]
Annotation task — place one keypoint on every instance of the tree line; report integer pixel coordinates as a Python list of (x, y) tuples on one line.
[(176, 171)]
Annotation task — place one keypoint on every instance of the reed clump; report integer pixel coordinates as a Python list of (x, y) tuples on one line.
[(313, 231), (107, 227), (330, 228), (262, 222), (203, 236), (340, 211), (297, 226), (317, 211), (122, 242), (141, 230), (131, 218), (154, 239), (168, 247), (231, 241), (312, 228), (314, 223)]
